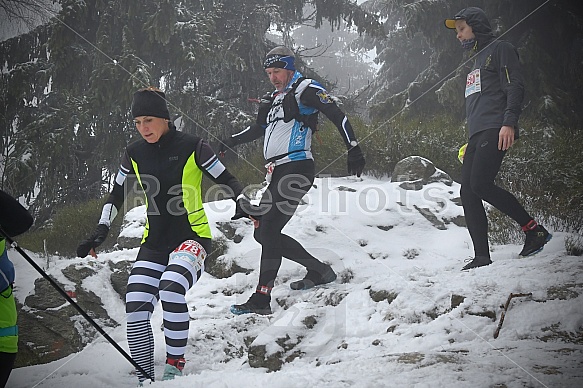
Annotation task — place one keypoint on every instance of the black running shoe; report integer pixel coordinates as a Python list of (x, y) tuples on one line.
[(478, 261), (535, 241), (255, 305), (313, 279)]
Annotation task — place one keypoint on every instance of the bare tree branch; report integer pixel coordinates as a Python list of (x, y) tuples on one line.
[(28, 12)]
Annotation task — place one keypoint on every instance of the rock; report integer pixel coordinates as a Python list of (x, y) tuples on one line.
[(415, 171), (133, 225), (128, 242), (413, 168), (120, 272), (260, 358), (458, 220), (381, 295), (50, 327), (221, 268), (429, 216), (229, 231), (457, 300)]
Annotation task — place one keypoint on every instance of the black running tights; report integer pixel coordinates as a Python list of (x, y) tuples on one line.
[(481, 165), (289, 183)]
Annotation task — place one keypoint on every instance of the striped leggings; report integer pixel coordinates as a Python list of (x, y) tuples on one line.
[(157, 275)]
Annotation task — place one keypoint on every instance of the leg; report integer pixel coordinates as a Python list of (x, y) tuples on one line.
[(185, 267), (289, 184), (487, 162), (474, 211), (141, 298), (6, 364)]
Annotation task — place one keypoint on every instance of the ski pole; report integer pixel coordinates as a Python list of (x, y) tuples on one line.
[(14, 245)]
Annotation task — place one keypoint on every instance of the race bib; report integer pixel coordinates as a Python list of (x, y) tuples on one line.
[(473, 83), (191, 252)]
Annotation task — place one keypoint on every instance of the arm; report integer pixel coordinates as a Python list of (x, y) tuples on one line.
[(319, 99), (14, 218), (116, 197), (210, 164), (512, 85), (252, 132), (109, 211)]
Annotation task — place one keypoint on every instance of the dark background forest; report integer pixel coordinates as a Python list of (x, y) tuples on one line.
[(67, 85)]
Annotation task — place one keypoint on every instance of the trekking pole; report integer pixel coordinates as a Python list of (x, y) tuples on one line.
[(14, 245)]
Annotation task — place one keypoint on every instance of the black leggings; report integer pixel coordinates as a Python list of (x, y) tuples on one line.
[(289, 183), (6, 364), (481, 165)]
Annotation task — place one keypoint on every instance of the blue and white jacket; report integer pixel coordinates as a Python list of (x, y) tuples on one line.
[(285, 142)]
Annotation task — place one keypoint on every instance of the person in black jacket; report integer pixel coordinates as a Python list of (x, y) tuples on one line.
[(14, 220), (286, 120), (494, 94), (169, 166)]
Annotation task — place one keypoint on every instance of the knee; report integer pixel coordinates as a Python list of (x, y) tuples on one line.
[(481, 188), (173, 286), (467, 194)]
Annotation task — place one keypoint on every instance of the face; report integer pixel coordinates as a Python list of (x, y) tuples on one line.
[(464, 32), (151, 128), (279, 77)]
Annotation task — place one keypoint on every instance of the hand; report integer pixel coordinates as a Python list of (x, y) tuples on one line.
[(87, 246), (505, 137), (245, 209), (355, 161), (225, 145)]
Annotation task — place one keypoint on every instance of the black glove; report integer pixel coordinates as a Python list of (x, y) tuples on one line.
[(244, 209), (94, 241), (225, 145), (355, 161)]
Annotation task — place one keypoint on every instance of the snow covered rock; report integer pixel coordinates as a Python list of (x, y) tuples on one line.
[(416, 171), (132, 228)]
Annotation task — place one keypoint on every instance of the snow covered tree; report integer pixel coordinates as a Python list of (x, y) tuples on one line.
[(66, 97)]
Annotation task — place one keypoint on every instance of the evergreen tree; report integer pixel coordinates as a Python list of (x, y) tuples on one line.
[(65, 116)]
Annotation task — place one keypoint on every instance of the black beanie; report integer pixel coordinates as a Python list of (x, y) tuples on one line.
[(149, 102)]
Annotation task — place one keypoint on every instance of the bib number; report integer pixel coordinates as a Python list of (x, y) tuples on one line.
[(473, 83), (191, 252)]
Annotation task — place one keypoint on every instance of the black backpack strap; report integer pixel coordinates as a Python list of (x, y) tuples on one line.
[(291, 110)]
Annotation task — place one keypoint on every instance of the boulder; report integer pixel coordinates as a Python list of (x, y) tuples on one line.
[(132, 229), (415, 171)]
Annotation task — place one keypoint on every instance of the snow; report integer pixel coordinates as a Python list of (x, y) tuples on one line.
[(372, 234)]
